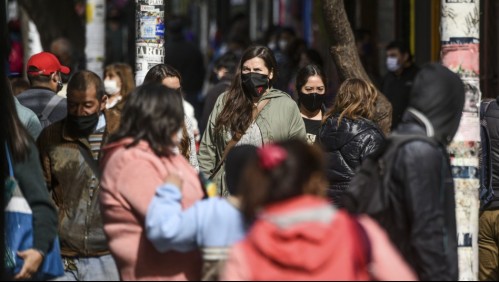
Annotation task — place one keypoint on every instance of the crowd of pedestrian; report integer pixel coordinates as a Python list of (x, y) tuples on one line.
[(121, 173)]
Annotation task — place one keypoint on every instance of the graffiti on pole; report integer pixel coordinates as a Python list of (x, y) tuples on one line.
[(460, 29), (461, 55), (150, 40)]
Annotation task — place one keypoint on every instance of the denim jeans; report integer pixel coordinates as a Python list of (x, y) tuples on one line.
[(488, 240), (101, 268)]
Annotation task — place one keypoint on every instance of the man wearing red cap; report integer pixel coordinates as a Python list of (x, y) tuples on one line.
[(44, 73)]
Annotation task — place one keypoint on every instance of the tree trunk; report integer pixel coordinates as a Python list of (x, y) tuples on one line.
[(344, 53), (57, 18)]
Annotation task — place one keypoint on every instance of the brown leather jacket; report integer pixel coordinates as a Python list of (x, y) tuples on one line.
[(73, 177)]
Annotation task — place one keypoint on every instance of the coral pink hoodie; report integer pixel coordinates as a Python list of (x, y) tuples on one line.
[(128, 184), (304, 238)]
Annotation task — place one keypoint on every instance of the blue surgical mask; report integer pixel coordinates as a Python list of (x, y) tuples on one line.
[(392, 64)]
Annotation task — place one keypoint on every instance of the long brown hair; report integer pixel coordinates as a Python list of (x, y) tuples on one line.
[(157, 74), (237, 113), (356, 98), (18, 138)]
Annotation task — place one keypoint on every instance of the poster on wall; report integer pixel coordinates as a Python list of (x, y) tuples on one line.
[(95, 35), (462, 56), (469, 127), (150, 41), (460, 18)]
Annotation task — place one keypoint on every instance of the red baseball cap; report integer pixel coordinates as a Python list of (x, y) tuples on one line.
[(46, 63)]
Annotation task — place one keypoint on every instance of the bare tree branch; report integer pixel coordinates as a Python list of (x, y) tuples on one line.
[(343, 50)]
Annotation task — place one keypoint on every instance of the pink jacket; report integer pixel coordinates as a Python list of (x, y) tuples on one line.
[(128, 184)]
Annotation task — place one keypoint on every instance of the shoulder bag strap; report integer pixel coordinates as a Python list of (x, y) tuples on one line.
[(50, 107), (236, 138), (91, 162), (10, 190), (9, 160)]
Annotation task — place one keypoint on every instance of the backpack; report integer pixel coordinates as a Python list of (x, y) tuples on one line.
[(486, 192), (371, 190), (49, 108)]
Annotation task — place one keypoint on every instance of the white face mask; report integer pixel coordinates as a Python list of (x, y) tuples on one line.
[(392, 64), (283, 44), (111, 87), (271, 45)]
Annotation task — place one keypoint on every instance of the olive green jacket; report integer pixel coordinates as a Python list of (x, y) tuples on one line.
[(279, 120)]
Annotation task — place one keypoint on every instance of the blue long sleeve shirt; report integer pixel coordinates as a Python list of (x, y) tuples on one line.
[(213, 222)]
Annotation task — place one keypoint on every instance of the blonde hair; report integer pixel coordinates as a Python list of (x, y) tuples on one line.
[(356, 98)]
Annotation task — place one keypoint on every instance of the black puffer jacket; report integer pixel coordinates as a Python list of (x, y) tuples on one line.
[(345, 146)]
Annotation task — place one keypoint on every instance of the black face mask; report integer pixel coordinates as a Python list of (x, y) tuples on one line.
[(255, 84), (83, 125), (312, 102)]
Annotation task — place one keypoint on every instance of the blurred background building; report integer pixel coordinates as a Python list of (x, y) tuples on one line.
[(219, 25)]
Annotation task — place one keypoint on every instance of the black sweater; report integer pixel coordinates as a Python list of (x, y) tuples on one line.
[(29, 176)]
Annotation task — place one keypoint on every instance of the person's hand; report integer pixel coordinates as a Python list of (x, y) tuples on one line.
[(175, 179), (32, 261)]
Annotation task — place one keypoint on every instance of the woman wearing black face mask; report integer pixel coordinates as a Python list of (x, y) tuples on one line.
[(311, 89), (348, 134), (250, 112)]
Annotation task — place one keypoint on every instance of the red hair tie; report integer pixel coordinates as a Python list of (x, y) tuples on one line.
[(271, 156)]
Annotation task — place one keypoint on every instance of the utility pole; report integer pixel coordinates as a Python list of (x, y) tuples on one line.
[(150, 36), (460, 29), (95, 46)]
